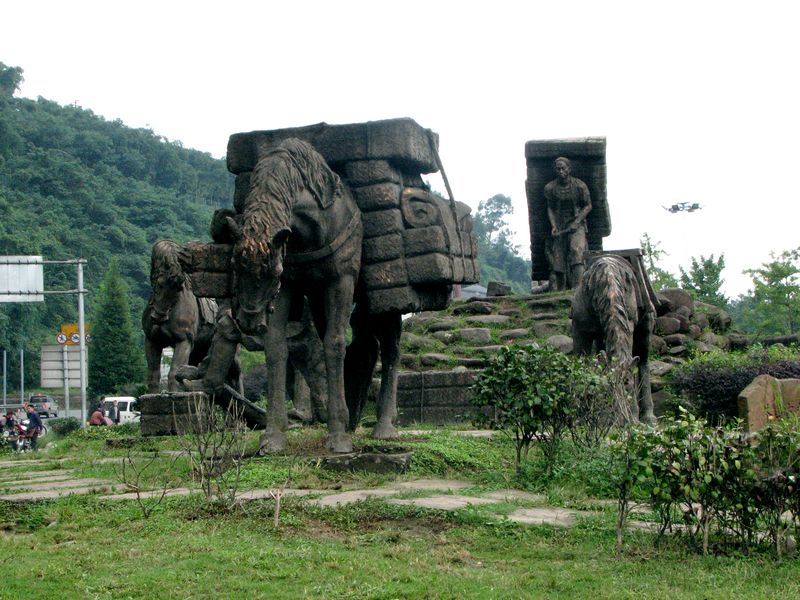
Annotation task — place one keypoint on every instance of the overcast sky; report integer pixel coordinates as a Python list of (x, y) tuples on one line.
[(698, 100)]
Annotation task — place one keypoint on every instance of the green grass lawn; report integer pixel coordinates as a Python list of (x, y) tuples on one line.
[(82, 547)]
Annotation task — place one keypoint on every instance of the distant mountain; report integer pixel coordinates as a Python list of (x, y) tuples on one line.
[(73, 184)]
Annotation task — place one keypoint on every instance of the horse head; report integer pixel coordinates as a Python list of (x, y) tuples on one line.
[(166, 278), (257, 269)]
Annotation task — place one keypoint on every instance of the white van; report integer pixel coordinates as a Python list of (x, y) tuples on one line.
[(128, 409)]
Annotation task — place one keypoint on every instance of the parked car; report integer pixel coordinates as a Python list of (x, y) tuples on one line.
[(44, 405), (128, 408)]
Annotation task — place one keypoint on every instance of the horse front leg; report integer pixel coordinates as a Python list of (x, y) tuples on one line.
[(152, 353), (276, 353), (338, 300), (641, 348), (180, 357), (388, 327)]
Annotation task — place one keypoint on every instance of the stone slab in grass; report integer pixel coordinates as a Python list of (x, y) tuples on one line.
[(444, 502), (513, 334), (150, 494), (560, 517), (488, 319), (262, 494), (515, 495), (443, 485), (57, 485), (371, 462), (50, 494), (10, 464), (7, 476), (476, 335), (350, 497), (14, 483)]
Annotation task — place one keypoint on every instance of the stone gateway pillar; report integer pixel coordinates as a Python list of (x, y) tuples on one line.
[(587, 165)]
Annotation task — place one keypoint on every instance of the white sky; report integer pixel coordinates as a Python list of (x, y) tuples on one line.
[(698, 100)]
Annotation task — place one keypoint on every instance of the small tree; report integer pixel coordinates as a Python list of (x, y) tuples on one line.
[(776, 294), (653, 254), (704, 281), (115, 358), (528, 392)]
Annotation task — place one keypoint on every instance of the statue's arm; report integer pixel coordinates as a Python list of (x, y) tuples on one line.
[(585, 202), (551, 215)]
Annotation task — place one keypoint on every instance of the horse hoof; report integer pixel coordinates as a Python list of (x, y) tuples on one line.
[(272, 442), (385, 431), (340, 443)]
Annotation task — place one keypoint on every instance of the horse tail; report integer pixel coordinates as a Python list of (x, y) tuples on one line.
[(611, 282)]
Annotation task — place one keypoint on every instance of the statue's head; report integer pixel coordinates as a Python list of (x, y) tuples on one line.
[(257, 269), (563, 167), (166, 278)]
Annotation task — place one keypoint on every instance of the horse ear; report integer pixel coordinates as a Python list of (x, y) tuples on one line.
[(234, 227), (279, 239)]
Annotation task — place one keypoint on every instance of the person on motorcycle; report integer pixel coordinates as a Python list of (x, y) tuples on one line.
[(34, 425)]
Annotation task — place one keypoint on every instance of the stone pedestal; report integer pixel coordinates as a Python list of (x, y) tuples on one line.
[(173, 413)]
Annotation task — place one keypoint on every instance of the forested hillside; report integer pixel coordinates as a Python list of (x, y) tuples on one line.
[(73, 184)]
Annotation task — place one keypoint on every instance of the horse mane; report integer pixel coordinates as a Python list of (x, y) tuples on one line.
[(610, 282), (164, 260), (278, 177)]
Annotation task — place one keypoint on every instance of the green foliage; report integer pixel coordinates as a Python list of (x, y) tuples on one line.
[(65, 426), (116, 359), (75, 185), (704, 281), (10, 80), (773, 308), (653, 254), (711, 382), (527, 393), (498, 257), (711, 476)]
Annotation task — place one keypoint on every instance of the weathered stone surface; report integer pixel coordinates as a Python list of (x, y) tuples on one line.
[(659, 368), (473, 308), (382, 222), (700, 319), (475, 335), (513, 334), (382, 248), (211, 285), (433, 359), (675, 339), (719, 319), (767, 399), (436, 379), (510, 312), (446, 324), (430, 268), (545, 316), (498, 288), (694, 331), (421, 319), (383, 275), (443, 485), (450, 502), (443, 336), (563, 343), (488, 319), (684, 322), (545, 329), (676, 297), (560, 517), (370, 462), (380, 196), (424, 240), (667, 325), (493, 349), (472, 363), (415, 342), (350, 497), (401, 142), (677, 351), (657, 344), (551, 303), (515, 495), (365, 172)]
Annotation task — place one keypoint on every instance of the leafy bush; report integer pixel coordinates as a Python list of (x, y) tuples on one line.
[(66, 426), (711, 382)]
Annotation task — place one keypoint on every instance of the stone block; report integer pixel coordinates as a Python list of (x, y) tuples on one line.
[(676, 297), (562, 343), (389, 274), (429, 268), (370, 462), (424, 241), (475, 335), (477, 307), (381, 222), (488, 319), (241, 187), (382, 248), (667, 325), (401, 299), (212, 285), (498, 288), (366, 172), (400, 142), (174, 413), (200, 256), (767, 399), (380, 196)]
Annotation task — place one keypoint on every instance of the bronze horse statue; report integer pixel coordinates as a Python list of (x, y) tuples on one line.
[(299, 235), (174, 317), (612, 310)]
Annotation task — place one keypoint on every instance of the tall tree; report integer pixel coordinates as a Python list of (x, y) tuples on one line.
[(10, 80), (652, 252), (704, 280), (115, 358), (497, 255), (775, 305)]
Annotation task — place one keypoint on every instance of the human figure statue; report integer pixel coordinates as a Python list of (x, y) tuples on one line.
[(568, 205)]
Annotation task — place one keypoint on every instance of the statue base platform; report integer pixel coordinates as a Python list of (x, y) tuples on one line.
[(172, 413)]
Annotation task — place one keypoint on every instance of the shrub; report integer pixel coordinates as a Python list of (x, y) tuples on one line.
[(66, 426), (712, 382)]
